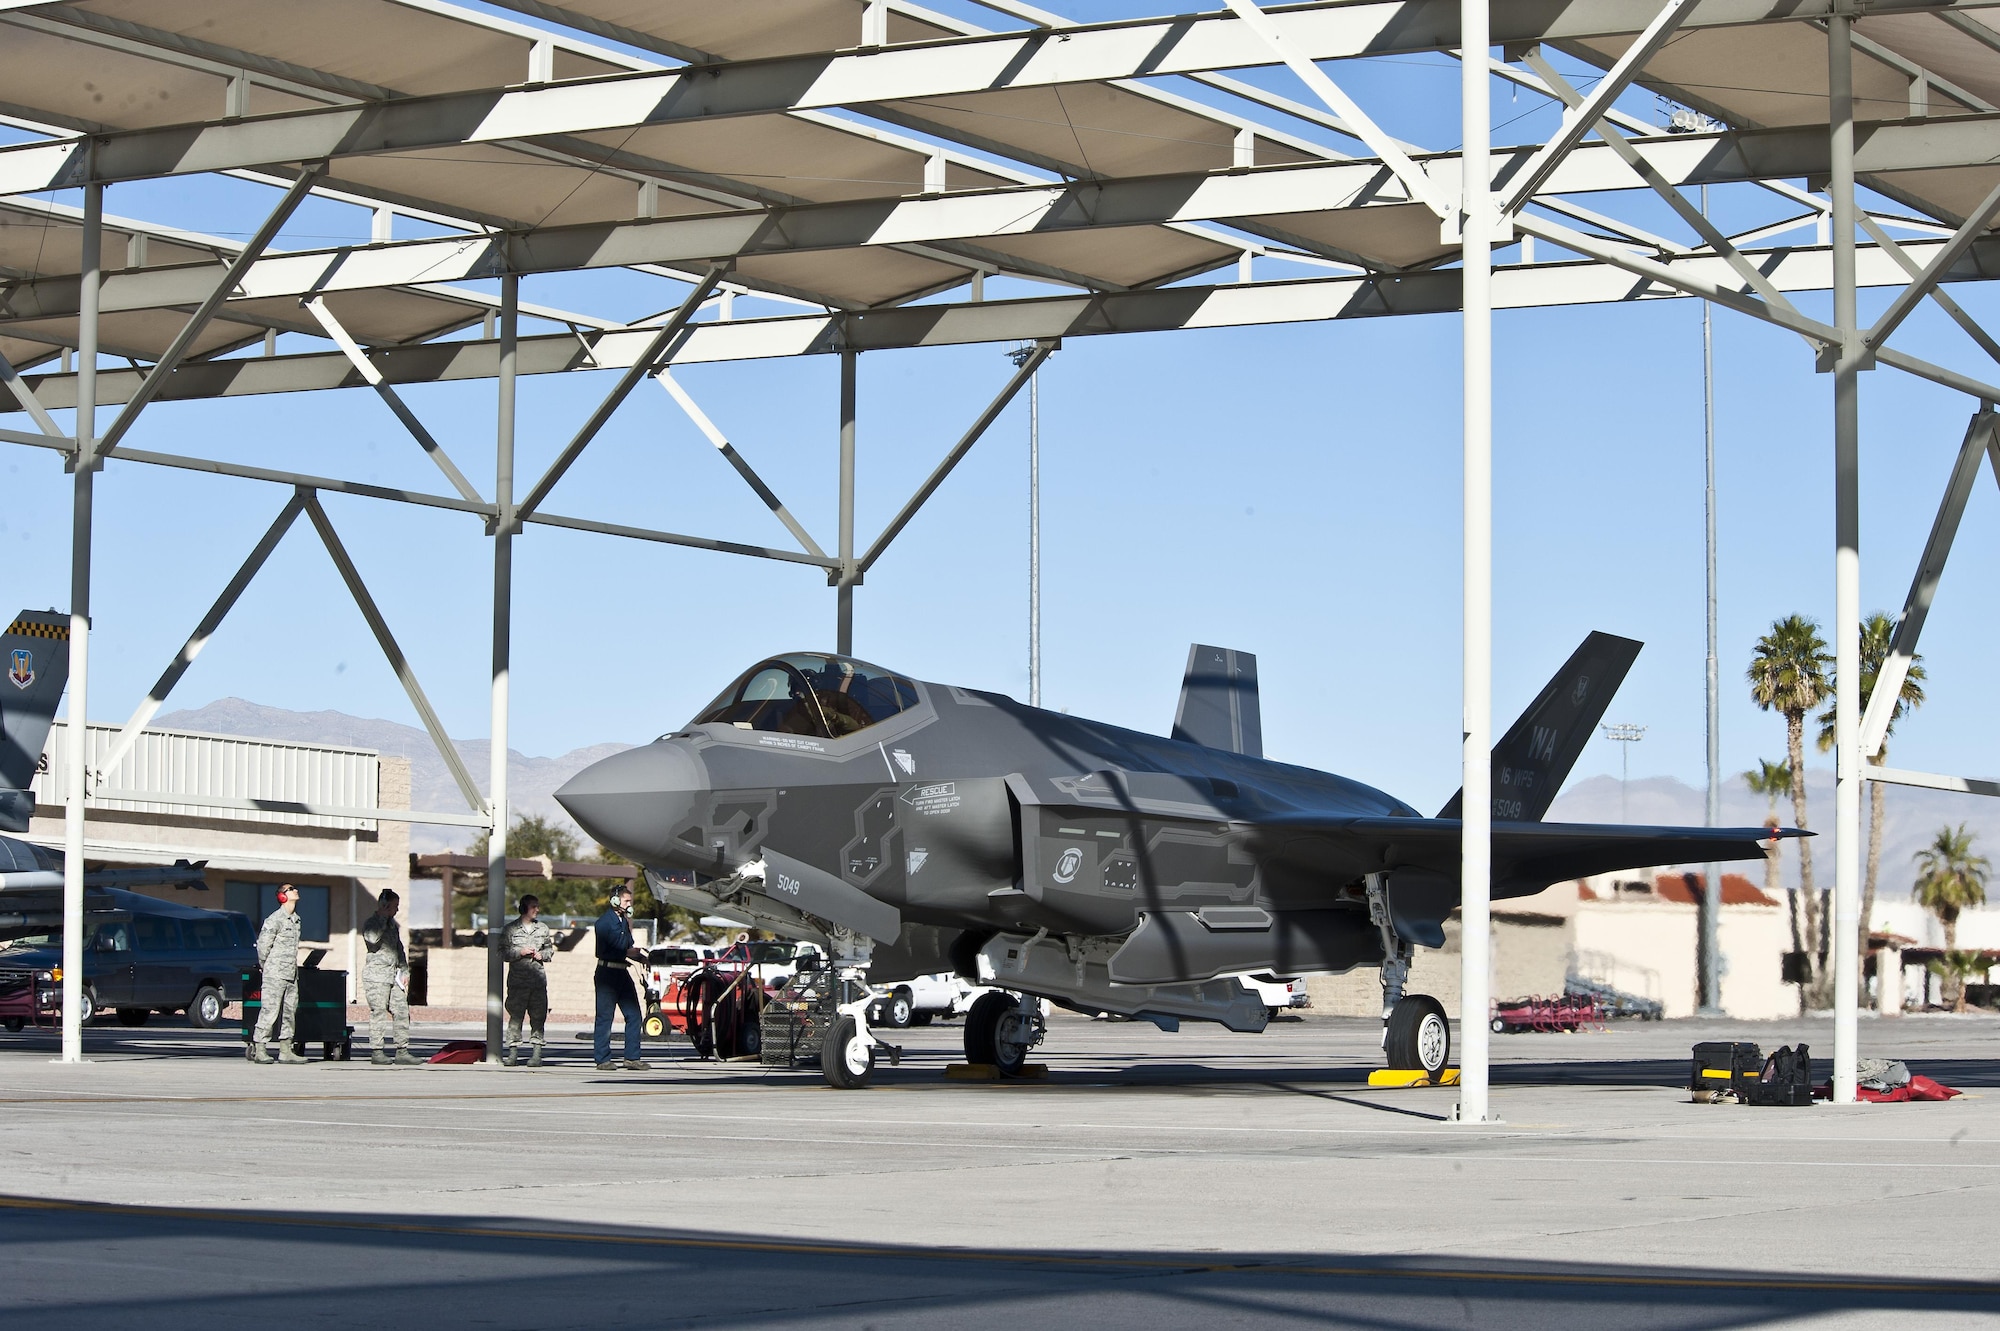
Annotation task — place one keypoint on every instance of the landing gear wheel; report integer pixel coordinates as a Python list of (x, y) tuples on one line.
[(898, 1009), (205, 1012), (1419, 1035), (981, 1021), (847, 1058), (133, 1016), (1013, 1036)]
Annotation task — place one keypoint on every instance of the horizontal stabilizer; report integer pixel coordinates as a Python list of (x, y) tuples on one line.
[(1219, 706), (1535, 756)]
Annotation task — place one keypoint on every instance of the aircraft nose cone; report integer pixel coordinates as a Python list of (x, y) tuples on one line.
[(631, 802)]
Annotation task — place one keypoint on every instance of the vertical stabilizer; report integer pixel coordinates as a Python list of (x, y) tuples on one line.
[(1219, 701), (1533, 759), (34, 656)]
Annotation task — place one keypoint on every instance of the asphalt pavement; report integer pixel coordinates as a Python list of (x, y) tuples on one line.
[(1150, 1181)]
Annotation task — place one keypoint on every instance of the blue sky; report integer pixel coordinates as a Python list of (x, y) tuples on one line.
[(1293, 491)]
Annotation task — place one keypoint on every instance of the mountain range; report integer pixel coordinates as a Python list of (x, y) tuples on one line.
[(1912, 816)]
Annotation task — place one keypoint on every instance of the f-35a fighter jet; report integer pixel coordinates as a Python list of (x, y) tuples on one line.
[(913, 828)]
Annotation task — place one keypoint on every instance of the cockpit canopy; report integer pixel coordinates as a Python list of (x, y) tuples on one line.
[(808, 694)]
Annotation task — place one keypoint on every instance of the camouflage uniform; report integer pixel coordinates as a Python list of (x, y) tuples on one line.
[(530, 945), (388, 1002), (278, 955)]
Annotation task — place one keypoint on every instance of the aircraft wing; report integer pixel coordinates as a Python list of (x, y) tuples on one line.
[(1526, 856)]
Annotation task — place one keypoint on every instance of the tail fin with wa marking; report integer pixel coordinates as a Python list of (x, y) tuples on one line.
[(1533, 759)]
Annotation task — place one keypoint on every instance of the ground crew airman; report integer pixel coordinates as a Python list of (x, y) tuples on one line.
[(530, 946), (278, 955), (613, 981), (385, 979)]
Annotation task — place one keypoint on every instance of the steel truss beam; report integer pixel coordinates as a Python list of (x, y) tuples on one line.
[(1598, 280), (1982, 439), (1044, 58), (1726, 157)]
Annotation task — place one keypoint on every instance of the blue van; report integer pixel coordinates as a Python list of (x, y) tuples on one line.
[(142, 956)]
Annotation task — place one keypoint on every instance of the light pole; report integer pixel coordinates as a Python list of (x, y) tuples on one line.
[(1019, 355), (1626, 734)]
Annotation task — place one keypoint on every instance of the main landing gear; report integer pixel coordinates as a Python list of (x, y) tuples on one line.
[(1416, 1035), (1001, 1028)]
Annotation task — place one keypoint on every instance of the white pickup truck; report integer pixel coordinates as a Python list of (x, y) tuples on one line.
[(1279, 995), (924, 999)]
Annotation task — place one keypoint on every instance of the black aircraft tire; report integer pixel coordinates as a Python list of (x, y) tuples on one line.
[(205, 1009), (846, 1059), (134, 1016), (1419, 1035), (982, 1021)]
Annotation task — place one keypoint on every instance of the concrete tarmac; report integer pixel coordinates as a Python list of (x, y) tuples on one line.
[(1152, 1181)]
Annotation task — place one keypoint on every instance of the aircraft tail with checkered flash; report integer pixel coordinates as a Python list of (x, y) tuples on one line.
[(34, 653)]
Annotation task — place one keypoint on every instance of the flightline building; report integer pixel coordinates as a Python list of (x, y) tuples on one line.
[(180, 795)]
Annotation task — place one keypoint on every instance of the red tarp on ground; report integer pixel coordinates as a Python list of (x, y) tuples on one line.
[(1920, 1088), (474, 1051)]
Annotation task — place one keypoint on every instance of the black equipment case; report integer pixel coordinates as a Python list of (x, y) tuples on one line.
[(1725, 1068), (321, 1013)]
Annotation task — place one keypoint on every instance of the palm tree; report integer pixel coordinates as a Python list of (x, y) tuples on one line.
[(1878, 631), (1771, 780), (1788, 675), (1950, 878)]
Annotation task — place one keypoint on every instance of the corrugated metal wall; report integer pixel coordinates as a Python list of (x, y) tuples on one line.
[(174, 762)]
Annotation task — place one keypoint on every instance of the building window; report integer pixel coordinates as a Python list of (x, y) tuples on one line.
[(258, 900)]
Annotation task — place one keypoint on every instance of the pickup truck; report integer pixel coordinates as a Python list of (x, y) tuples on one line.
[(924, 999)]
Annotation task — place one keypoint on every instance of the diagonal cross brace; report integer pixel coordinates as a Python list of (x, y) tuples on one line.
[(1577, 120), (736, 460), (316, 306), (1415, 179), (1953, 250), (163, 369), (1660, 185), (1982, 436), (1029, 364), (210, 622), (1946, 303), (397, 661), (29, 402), (658, 350)]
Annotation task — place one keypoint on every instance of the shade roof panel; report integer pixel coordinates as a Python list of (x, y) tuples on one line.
[(379, 42), (864, 277), (750, 29), (1122, 256)]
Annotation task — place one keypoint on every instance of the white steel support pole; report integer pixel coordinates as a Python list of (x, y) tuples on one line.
[(1476, 864), (1035, 539), (844, 584), (1846, 561), (1711, 896), (503, 632), (75, 778)]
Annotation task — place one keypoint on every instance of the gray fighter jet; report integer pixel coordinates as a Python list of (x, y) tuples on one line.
[(912, 828), (34, 652)]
